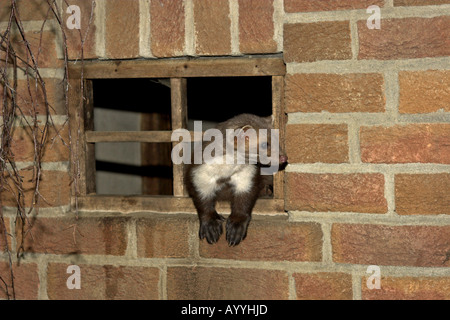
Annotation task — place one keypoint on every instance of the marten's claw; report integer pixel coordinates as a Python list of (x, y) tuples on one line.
[(236, 231), (211, 229)]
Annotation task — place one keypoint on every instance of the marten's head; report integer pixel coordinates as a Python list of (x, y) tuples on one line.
[(254, 141)]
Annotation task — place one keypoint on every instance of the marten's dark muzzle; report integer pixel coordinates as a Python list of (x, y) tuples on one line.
[(283, 162)]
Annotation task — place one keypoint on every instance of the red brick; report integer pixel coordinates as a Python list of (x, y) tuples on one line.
[(42, 46), (256, 29), (409, 288), (86, 33), (308, 143), (398, 3), (26, 281), (335, 93), (163, 237), (5, 10), (30, 97), (323, 286), (336, 192), (104, 282), (107, 236), (5, 231), (54, 189), (405, 39), (422, 193), (200, 283), (326, 5), (122, 29), (422, 143), (55, 146), (212, 27), (271, 241), (424, 91), (167, 28), (307, 42), (28, 10), (418, 246)]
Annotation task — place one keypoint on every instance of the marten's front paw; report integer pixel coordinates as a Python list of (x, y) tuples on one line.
[(211, 229), (236, 230)]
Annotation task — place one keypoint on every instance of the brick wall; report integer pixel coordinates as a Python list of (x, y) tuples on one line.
[(368, 137)]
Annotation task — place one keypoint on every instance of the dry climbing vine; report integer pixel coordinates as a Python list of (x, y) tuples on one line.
[(19, 58)]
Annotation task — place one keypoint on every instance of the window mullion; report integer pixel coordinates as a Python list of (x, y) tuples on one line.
[(179, 121)]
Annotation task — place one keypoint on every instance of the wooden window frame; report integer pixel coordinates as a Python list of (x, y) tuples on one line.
[(81, 118)]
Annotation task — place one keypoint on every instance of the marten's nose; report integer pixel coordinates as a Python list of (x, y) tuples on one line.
[(283, 159)]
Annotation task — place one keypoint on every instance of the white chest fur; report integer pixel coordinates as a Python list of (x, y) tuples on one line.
[(207, 177)]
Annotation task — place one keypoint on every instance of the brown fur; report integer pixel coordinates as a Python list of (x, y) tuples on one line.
[(241, 204)]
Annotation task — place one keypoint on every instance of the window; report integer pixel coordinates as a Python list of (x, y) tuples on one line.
[(132, 168), (130, 108)]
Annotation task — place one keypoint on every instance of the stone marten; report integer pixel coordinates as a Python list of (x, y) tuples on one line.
[(239, 181)]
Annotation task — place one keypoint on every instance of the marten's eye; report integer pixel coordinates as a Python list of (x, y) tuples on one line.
[(263, 145)]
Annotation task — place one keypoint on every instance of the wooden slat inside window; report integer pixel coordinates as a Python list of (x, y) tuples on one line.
[(128, 136), (134, 136), (179, 121)]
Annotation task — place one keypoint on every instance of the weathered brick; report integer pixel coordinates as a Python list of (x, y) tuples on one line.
[(200, 283), (42, 46), (398, 3), (30, 97), (5, 10), (105, 235), (419, 246), (122, 29), (53, 91), (424, 91), (256, 29), (5, 231), (54, 189), (405, 38), (336, 192), (423, 143), (55, 146), (308, 143), (326, 5), (104, 282), (335, 93), (167, 28), (26, 281), (271, 241), (323, 286), (408, 288), (422, 193), (86, 33), (163, 237), (27, 9), (212, 27), (306, 42)]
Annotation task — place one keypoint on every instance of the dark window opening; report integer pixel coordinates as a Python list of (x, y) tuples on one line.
[(136, 168), (219, 99), (132, 168)]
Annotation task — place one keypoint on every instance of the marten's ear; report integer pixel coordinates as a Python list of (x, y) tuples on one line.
[(269, 120), (242, 131), (245, 128)]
